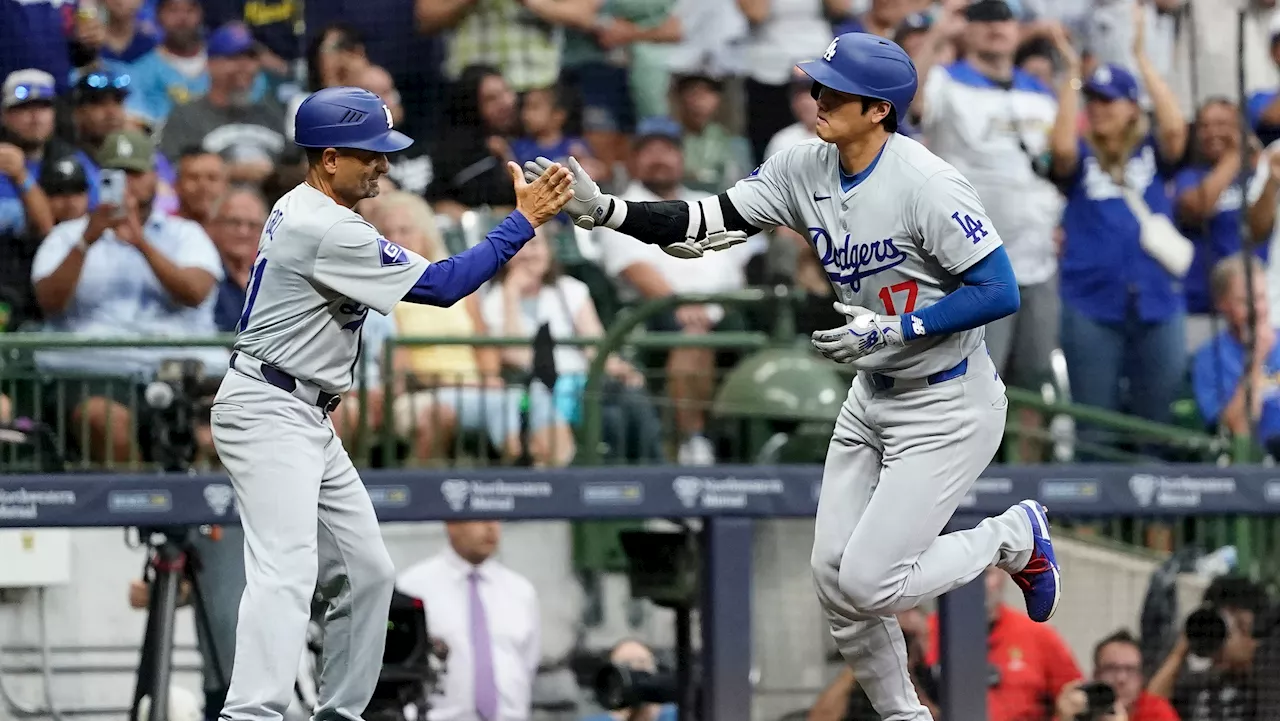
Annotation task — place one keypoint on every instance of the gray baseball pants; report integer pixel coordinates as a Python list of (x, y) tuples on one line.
[(306, 517), (900, 463)]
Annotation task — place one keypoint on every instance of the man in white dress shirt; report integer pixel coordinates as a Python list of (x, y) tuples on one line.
[(488, 616)]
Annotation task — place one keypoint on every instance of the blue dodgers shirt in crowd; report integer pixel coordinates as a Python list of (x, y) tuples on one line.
[(33, 34), (1258, 102), (1103, 265), (1214, 240), (13, 218), (1216, 369)]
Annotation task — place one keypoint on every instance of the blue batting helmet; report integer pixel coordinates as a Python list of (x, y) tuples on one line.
[(869, 66), (347, 118)]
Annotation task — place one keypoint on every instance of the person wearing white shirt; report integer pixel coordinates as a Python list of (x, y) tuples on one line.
[(646, 272), (138, 273), (487, 615), (991, 120)]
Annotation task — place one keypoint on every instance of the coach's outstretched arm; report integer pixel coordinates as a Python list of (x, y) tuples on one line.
[(453, 279), (681, 228)]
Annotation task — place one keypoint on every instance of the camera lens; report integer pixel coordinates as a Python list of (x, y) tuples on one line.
[(1206, 632)]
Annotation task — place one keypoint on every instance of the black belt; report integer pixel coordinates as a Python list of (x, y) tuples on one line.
[(328, 402)]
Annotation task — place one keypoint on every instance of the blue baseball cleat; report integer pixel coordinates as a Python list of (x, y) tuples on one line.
[(1041, 580)]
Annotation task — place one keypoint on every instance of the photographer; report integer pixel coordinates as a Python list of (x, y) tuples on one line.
[(1076, 704), (634, 655), (1117, 666), (1208, 676)]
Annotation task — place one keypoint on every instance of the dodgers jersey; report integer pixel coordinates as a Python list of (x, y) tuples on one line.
[(894, 243), (320, 268)]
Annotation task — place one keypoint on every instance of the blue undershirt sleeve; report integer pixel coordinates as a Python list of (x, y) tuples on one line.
[(990, 292), (453, 279)]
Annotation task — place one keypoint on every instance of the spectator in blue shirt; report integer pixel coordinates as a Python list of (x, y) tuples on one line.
[(176, 72), (124, 272), (634, 655), (1224, 366), (544, 112), (34, 34), (1208, 200), (26, 136), (235, 224), (126, 35), (1263, 107), (1122, 312)]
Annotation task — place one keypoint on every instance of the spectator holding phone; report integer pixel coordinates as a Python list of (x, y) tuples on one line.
[(128, 270)]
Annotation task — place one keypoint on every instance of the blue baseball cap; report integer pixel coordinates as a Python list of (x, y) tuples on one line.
[(660, 127), (1112, 82), (230, 40)]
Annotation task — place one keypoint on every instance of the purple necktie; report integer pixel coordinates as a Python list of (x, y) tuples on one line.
[(481, 645)]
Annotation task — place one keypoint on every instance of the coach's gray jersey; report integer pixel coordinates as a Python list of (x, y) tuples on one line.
[(320, 268), (895, 243)]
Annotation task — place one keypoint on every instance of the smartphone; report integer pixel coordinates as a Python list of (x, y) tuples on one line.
[(111, 189)]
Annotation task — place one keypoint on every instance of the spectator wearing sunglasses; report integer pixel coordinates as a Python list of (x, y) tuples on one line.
[(26, 138), (97, 102)]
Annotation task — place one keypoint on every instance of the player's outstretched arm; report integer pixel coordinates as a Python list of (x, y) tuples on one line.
[(453, 279), (681, 228)]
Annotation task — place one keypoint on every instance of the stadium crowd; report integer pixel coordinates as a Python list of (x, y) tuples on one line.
[(1081, 123)]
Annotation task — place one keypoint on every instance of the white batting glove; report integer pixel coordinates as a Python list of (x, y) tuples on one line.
[(866, 333), (589, 205)]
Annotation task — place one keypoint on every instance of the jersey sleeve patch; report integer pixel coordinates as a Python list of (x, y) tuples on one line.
[(391, 254)]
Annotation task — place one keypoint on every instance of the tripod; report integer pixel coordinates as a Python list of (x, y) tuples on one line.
[(172, 558)]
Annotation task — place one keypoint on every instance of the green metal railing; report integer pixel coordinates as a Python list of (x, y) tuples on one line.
[(1258, 539)]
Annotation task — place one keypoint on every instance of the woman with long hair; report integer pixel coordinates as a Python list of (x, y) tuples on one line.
[(470, 156), (1122, 311), (530, 292), (442, 389)]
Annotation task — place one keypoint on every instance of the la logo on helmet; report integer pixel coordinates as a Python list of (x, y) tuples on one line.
[(830, 54), (390, 123)]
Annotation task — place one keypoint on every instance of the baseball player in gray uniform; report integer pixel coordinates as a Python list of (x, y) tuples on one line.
[(918, 270), (306, 515)]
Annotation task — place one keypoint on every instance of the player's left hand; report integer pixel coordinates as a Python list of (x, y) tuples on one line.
[(864, 334)]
